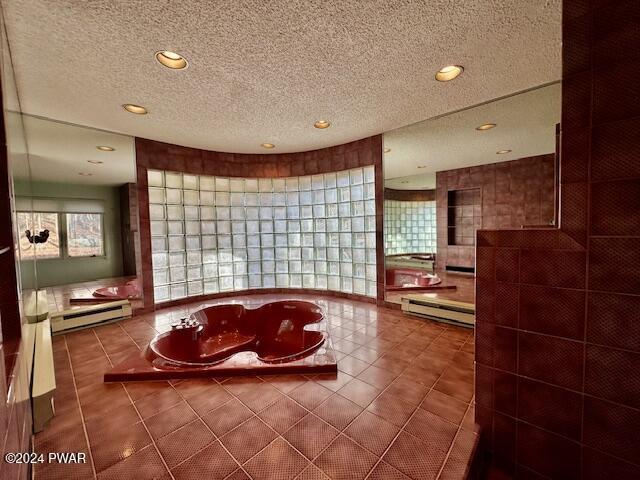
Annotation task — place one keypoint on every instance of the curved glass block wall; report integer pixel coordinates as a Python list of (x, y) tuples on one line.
[(409, 227), (213, 234)]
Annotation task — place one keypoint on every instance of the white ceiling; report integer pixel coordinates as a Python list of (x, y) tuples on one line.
[(265, 71), (525, 124), (59, 152)]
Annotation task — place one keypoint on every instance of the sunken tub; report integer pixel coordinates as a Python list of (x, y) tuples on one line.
[(411, 279), (279, 337)]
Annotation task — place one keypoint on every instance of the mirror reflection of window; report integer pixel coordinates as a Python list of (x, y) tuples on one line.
[(84, 235), (37, 222)]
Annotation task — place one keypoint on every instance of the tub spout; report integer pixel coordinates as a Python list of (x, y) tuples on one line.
[(189, 324)]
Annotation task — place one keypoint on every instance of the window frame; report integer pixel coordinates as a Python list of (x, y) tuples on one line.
[(35, 256), (63, 237)]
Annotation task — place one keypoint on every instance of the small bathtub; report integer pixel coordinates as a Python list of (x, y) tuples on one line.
[(409, 279), (128, 291)]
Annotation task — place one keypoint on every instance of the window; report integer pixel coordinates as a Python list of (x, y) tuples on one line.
[(70, 234), (84, 235), (37, 222)]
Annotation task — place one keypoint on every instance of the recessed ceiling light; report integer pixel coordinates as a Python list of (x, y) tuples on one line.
[(95, 162), (448, 73), (387, 150), (322, 124), (486, 126), (85, 174), (172, 60), (267, 145), (422, 166), (501, 152), (137, 109), (105, 148)]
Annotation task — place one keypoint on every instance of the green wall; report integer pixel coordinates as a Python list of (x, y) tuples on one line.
[(61, 271)]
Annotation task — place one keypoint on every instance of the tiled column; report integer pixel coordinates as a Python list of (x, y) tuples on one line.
[(558, 313)]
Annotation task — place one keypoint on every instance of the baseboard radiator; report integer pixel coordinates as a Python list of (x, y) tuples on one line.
[(89, 315), (449, 311)]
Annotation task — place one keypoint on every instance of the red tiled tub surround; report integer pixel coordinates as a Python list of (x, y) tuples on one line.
[(130, 290), (410, 279), (284, 336)]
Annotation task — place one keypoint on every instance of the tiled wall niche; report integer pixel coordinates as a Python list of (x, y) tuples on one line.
[(409, 227), (212, 234)]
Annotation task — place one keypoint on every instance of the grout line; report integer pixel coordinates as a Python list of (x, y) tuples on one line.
[(75, 387), (153, 442), (447, 456)]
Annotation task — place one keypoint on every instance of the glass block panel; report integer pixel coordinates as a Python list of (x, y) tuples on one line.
[(191, 197), (236, 185), (207, 183), (207, 198), (189, 182), (174, 212), (223, 199), (159, 260), (207, 213), (236, 233), (192, 227), (251, 199), (159, 244), (158, 227), (222, 184), (161, 294), (251, 185), (177, 259), (304, 183), (173, 180), (156, 212), (156, 195), (265, 185), (211, 286), (178, 290), (155, 178), (194, 257)]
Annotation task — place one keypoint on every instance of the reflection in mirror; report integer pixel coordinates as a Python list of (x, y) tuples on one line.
[(84, 223), (492, 166)]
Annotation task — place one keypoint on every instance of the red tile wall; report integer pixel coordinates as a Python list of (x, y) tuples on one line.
[(409, 195), (163, 156), (513, 194), (558, 312)]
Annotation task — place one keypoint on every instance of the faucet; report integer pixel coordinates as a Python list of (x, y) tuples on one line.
[(189, 323)]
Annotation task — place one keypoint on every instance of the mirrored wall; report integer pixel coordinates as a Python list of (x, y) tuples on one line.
[(492, 166)]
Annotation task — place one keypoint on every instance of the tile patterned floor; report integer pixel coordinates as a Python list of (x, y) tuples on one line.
[(401, 407)]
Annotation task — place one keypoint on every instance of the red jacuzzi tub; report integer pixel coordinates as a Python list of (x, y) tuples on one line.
[(409, 279), (279, 337), (128, 291)]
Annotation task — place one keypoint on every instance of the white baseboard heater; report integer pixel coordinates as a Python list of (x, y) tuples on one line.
[(449, 311), (89, 315)]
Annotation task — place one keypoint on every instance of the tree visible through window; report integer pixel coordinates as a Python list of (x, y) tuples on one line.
[(37, 222), (84, 234)]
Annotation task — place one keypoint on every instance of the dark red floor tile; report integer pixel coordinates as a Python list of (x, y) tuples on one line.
[(372, 432), (311, 435), (345, 460), (279, 461)]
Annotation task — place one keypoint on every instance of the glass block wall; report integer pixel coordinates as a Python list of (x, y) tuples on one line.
[(409, 227), (214, 234)]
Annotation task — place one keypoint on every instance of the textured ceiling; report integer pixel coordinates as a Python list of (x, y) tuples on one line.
[(525, 125), (59, 152), (265, 71)]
